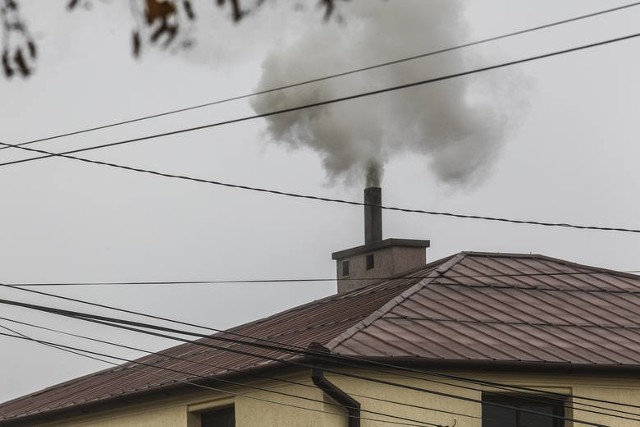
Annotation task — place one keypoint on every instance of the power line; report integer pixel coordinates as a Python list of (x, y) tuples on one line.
[(332, 76), (333, 279), (67, 155), (131, 326), (138, 327), (227, 368), (528, 398), (262, 389), (6, 328), (318, 198), (77, 351), (344, 360), (317, 104)]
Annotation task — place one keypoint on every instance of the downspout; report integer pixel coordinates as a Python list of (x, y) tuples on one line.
[(343, 399), (333, 391)]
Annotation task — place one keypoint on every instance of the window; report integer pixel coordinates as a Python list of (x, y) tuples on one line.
[(518, 415), (345, 268), (370, 262), (223, 417)]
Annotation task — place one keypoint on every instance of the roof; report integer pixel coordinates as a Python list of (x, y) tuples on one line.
[(482, 308)]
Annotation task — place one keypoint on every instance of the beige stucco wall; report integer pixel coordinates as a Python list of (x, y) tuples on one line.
[(622, 389), (263, 408)]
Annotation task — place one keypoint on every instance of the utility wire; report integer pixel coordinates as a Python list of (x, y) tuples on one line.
[(138, 327), (322, 199), (528, 398), (226, 368), (332, 76), (411, 422), (317, 104), (326, 279), (298, 364), (79, 353), (343, 359), (67, 155)]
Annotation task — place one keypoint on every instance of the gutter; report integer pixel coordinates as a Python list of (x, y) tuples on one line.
[(343, 399)]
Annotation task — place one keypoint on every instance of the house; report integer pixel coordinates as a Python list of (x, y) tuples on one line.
[(472, 340)]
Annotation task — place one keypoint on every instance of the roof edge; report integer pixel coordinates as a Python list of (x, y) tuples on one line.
[(516, 365)]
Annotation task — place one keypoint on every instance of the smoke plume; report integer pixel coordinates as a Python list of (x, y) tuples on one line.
[(456, 125)]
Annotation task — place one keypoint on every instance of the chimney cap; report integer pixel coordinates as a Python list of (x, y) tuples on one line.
[(381, 244)]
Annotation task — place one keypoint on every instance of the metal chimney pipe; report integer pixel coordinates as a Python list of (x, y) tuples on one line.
[(372, 215)]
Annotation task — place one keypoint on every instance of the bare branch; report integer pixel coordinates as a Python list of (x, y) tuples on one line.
[(236, 11), (164, 23), (19, 50), (161, 22)]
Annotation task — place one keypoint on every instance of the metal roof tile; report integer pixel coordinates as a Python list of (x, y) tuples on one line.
[(469, 307)]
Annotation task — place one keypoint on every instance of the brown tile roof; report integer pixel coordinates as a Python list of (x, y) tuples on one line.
[(508, 308), (472, 307)]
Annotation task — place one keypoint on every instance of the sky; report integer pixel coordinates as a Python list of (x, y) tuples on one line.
[(559, 135)]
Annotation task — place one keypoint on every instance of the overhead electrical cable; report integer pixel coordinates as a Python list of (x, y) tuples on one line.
[(314, 104), (261, 376), (400, 420), (331, 200), (533, 398), (226, 368), (153, 331), (6, 328), (327, 279), (335, 75), (355, 376), (344, 360), (325, 199), (617, 230)]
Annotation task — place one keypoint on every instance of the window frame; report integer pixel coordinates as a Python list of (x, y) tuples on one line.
[(370, 262), (345, 268), (521, 400), (195, 410)]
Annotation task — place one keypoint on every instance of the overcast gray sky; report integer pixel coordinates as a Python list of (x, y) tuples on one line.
[(568, 153)]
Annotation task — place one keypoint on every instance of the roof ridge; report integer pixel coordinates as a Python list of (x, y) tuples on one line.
[(552, 259), (589, 267), (455, 259)]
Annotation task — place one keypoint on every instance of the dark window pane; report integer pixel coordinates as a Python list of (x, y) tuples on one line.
[(536, 420), (224, 417), (494, 415), (370, 262), (345, 268)]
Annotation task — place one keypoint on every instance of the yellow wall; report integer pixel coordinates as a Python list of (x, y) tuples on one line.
[(259, 407)]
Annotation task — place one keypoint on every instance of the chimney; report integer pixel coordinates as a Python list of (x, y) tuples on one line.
[(377, 259), (372, 215)]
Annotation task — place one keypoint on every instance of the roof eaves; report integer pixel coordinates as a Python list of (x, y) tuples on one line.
[(518, 365), (331, 345)]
